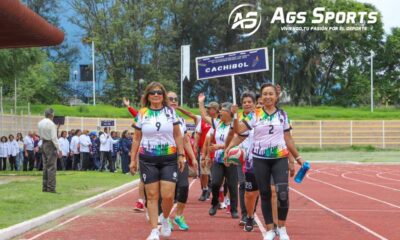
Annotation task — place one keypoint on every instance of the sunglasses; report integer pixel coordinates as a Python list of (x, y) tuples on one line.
[(173, 99), (154, 92)]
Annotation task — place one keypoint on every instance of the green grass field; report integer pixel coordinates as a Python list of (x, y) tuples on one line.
[(295, 113), (21, 196)]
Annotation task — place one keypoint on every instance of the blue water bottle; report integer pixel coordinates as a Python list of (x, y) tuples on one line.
[(302, 172)]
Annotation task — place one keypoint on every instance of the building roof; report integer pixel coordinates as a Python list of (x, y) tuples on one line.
[(21, 27)]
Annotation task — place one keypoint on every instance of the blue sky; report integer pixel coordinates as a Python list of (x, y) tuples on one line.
[(389, 10)]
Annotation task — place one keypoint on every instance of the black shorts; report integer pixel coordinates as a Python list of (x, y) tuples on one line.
[(160, 168), (183, 177), (250, 183)]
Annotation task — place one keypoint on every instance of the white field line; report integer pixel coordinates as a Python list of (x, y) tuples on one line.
[(340, 215), (353, 192)]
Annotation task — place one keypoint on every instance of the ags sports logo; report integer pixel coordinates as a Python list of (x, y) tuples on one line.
[(248, 21)]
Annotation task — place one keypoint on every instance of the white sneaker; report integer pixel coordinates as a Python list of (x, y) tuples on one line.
[(165, 227), (222, 205), (270, 235), (283, 234), (154, 235)]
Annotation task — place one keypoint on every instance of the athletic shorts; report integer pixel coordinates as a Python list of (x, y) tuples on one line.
[(250, 183), (183, 177), (241, 178), (159, 168)]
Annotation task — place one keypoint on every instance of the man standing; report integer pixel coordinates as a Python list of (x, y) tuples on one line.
[(29, 155), (51, 148), (106, 144), (85, 144)]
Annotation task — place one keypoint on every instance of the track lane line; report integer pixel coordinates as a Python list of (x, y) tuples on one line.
[(80, 215), (382, 177), (340, 215), (343, 175), (355, 193)]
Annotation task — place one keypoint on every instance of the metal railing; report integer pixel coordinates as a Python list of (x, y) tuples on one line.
[(324, 133)]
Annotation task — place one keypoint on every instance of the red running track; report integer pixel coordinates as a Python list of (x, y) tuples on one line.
[(335, 201)]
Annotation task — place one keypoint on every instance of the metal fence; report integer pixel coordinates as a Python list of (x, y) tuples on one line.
[(325, 133)]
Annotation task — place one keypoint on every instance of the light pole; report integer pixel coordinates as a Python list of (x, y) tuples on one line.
[(372, 81), (94, 75)]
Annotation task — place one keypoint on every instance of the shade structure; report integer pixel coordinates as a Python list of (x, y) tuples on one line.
[(21, 27)]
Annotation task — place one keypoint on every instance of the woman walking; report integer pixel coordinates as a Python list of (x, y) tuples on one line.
[(158, 141)]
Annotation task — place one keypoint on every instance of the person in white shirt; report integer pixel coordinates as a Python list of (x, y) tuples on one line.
[(29, 154), (74, 147), (20, 155), (3, 153), (50, 146), (64, 145), (85, 143), (106, 145), (13, 150)]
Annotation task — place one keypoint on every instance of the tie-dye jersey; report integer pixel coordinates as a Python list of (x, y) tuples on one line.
[(157, 128), (182, 125), (247, 144), (268, 140), (221, 133)]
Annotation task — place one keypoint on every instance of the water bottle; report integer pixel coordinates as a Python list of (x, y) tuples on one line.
[(302, 172)]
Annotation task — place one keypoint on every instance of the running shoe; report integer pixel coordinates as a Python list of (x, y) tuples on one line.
[(180, 221), (222, 205), (271, 234), (243, 220), (139, 207), (228, 208), (234, 214), (165, 227), (213, 210), (283, 234), (248, 226), (203, 195), (208, 192), (154, 235)]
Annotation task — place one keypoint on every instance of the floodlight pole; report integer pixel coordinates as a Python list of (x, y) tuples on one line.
[(273, 66), (94, 75), (372, 81)]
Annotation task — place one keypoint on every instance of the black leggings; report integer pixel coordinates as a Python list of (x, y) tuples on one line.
[(219, 171), (3, 163), (278, 168)]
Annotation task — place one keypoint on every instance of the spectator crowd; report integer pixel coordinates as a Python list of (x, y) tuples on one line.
[(81, 150)]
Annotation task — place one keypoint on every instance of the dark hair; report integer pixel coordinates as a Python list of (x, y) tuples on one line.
[(20, 138), (268, 85), (62, 132), (77, 131), (49, 113), (3, 137), (10, 136), (249, 94), (124, 134), (151, 86)]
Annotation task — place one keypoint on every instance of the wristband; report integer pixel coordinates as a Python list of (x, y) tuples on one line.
[(181, 155)]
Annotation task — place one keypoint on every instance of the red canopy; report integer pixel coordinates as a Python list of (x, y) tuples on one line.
[(21, 27)]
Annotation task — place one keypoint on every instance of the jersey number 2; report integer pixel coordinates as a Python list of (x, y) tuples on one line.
[(271, 129)]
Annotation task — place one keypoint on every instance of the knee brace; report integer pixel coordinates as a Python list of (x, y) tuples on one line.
[(282, 192), (182, 194)]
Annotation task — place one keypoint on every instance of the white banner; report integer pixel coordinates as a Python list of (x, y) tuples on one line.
[(185, 62)]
